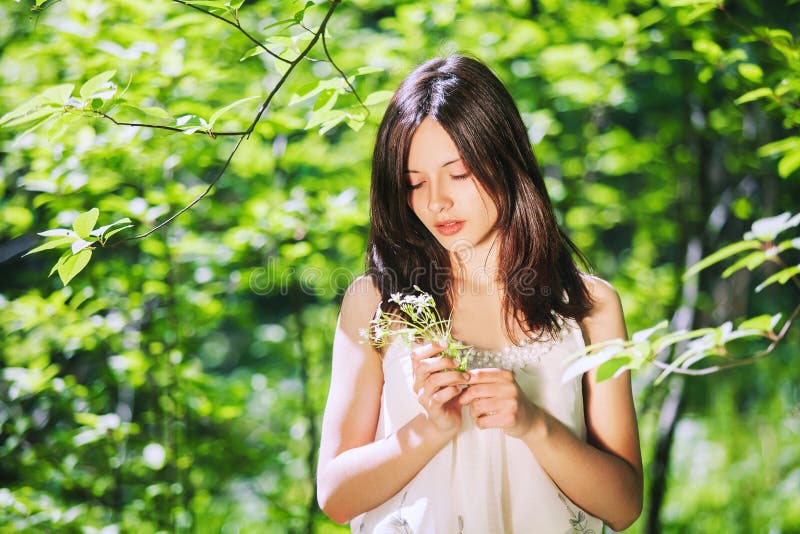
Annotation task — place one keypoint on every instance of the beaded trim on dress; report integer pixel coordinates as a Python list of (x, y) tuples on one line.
[(515, 357)]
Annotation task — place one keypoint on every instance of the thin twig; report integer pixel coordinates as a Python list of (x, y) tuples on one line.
[(211, 133), (294, 63), (341, 73), (246, 134), (238, 26), (746, 361)]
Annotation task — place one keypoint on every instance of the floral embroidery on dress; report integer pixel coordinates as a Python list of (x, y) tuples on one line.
[(399, 523), (578, 521)]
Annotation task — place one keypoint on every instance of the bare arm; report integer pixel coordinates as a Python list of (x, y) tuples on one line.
[(603, 475), (355, 472)]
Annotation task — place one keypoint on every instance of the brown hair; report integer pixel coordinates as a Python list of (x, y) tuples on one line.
[(539, 278)]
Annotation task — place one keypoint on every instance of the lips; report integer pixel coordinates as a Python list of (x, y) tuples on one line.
[(449, 227)]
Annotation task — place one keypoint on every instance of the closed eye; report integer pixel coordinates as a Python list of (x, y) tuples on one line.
[(459, 176), (411, 187)]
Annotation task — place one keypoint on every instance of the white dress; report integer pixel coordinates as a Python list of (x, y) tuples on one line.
[(484, 482)]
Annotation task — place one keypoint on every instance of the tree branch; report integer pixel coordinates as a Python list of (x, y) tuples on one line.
[(210, 133), (246, 134), (343, 75), (739, 362), (237, 25)]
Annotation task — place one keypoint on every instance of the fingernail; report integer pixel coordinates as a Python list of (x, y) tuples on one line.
[(465, 376)]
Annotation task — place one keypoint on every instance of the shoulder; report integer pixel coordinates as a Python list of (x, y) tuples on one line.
[(360, 302), (606, 319), (601, 291)]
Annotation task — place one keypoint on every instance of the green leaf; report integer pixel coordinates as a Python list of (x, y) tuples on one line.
[(780, 277), (755, 94), (74, 265), (789, 163), (280, 66), (586, 363), (698, 12), (689, 3), (789, 243), (53, 243), (64, 257), (313, 89), (779, 147), (609, 369), (45, 111), (217, 4), (326, 100), (721, 254), (153, 111), (676, 337), (84, 223), (98, 232), (378, 97), (751, 261), (256, 50), (284, 22), (367, 70), (325, 116), (751, 71), (116, 230), (230, 106), (89, 88), (647, 333), (58, 95), (762, 323)]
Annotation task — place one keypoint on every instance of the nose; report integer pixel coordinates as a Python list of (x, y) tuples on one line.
[(439, 199)]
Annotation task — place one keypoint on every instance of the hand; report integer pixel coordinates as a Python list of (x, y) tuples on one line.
[(495, 400), (437, 386)]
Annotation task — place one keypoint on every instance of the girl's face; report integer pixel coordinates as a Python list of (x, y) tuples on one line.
[(443, 193)]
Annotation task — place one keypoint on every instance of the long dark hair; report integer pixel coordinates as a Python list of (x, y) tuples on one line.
[(538, 276)]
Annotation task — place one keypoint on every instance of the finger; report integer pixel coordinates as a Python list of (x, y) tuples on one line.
[(483, 408), (487, 390), (439, 381), (495, 420), (429, 366), (442, 396), (426, 351)]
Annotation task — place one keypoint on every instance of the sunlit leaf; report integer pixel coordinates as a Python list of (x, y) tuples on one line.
[(762, 323), (84, 223), (789, 163), (612, 368), (378, 97), (755, 94), (751, 71), (53, 243), (89, 88), (585, 363), (781, 277), (721, 254), (74, 265), (217, 114), (645, 335)]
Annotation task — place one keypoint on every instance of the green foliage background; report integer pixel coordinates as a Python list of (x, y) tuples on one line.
[(177, 383)]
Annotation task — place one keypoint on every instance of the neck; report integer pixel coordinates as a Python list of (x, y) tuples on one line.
[(476, 267)]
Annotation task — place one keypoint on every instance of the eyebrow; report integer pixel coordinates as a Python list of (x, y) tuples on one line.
[(443, 165)]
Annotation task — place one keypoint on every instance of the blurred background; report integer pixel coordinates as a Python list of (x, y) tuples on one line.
[(176, 384)]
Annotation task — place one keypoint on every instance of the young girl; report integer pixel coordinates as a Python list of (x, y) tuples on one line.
[(459, 208)]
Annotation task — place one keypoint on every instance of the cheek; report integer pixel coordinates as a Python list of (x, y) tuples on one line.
[(414, 202)]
